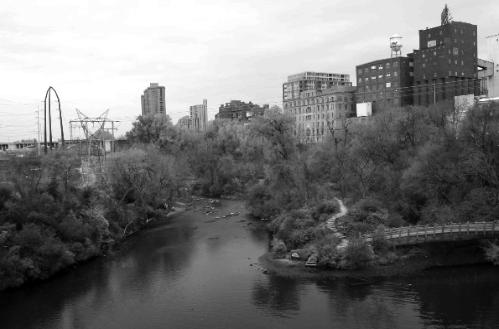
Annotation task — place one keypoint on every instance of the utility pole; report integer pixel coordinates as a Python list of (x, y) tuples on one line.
[(434, 93), (38, 129)]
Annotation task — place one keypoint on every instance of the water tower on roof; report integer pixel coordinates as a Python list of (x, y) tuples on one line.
[(396, 45)]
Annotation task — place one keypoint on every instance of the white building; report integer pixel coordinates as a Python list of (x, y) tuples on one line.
[(493, 56), (199, 116)]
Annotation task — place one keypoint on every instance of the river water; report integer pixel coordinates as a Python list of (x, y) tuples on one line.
[(195, 271)]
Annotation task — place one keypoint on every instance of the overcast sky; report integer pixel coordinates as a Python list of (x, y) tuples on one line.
[(102, 54)]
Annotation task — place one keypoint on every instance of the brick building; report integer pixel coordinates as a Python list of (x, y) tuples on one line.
[(386, 82), (446, 63), (238, 110), (318, 101), (317, 111)]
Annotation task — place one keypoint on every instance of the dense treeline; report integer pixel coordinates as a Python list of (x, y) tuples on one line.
[(402, 166), (50, 219)]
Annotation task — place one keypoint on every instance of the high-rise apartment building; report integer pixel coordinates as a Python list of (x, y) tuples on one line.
[(318, 102), (153, 100), (199, 116), (446, 63)]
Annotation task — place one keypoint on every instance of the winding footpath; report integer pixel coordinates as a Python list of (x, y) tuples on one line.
[(331, 224)]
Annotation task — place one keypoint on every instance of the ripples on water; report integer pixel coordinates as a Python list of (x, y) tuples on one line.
[(196, 273)]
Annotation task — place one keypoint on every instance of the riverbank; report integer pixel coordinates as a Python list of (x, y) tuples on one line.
[(435, 255)]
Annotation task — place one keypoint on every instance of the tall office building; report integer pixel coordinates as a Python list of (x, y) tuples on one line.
[(199, 116), (153, 100), (318, 102), (446, 63)]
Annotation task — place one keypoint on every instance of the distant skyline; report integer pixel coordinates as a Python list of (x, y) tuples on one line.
[(102, 56)]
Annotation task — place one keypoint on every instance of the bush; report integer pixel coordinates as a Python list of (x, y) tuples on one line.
[(379, 243), (358, 254), (492, 253), (260, 202), (327, 253), (279, 248), (324, 210)]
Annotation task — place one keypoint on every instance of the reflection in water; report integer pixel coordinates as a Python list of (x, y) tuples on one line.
[(471, 294), (279, 294), (194, 272)]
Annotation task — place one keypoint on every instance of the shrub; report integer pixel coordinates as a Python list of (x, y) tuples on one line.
[(492, 253), (260, 202), (327, 252), (324, 210), (279, 247), (358, 254), (379, 243)]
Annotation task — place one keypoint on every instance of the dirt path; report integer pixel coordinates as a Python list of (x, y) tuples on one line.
[(331, 224)]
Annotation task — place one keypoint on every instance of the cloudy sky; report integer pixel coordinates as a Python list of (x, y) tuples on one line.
[(102, 54)]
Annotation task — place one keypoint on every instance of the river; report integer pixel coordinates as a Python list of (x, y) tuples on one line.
[(194, 271)]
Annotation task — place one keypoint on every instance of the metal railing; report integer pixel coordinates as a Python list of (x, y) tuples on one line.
[(451, 231)]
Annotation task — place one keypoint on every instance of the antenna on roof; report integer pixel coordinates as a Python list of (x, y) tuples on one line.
[(445, 17)]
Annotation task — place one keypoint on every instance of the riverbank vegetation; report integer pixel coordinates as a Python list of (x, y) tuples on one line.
[(402, 166), (50, 219)]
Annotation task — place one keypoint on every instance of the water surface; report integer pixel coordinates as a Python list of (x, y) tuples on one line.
[(198, 272)]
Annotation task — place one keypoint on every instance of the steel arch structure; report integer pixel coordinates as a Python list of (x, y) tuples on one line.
[(48, 97)]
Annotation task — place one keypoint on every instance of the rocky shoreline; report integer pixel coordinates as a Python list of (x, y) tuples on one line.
[(436, 255)]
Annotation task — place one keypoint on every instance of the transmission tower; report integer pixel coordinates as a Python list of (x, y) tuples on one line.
[(95, 130), (92, 148)]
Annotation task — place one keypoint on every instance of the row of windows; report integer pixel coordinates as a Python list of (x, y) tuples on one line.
[(320, 108), (381, 76), (318, 100), (376, 67), (379, 86), (440, 32), (456, 62), (322, 116)]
